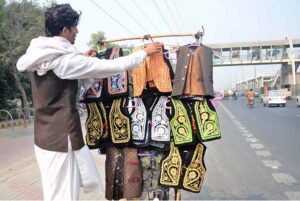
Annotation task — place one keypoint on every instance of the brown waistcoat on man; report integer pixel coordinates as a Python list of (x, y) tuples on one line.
[(56, 116)]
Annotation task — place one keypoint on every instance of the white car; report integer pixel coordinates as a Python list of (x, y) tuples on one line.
[(274, 97), (298, 100)]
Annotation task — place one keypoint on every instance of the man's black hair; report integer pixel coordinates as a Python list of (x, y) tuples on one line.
[(59, 16)]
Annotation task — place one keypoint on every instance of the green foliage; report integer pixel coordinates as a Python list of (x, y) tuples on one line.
[(96, 42), (19, 23)]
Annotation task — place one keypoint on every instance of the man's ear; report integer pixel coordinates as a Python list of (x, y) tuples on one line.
[(64, 31)]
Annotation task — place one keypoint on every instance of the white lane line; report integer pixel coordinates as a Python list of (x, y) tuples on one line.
[(247, 135), (284, 178), (274, 164), (263, 153), (293, 195), (252, 139), (245, 131), (257, 146), (242, 128)]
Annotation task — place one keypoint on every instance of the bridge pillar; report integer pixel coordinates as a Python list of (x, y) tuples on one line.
[(287, 79)]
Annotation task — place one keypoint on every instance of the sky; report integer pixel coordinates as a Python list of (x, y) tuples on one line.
[(224, 21)]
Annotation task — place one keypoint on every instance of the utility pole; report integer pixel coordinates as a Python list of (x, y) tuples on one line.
[(255, 77)]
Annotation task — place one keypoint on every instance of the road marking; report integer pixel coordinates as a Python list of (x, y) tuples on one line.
[(284, 178), (252, 140), (274, 164), (245, 131), (293, 195), (263, 153), (241, 128), (257, 146), (247, 135)]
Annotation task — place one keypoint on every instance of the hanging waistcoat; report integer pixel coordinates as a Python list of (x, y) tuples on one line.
[(123, 173), (193, 172), (160, 128), (207, 120), (171, 168), (180, 123), (194, 72), (119, 121), (96, 125), (153, 71), (139, 120)]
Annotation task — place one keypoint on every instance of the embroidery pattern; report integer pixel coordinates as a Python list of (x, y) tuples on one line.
[(119, 123), (207, 121), (194, 175), (160, 128), (180, 124), (139, 120), (171, 167), (94, 125), (117, 83)]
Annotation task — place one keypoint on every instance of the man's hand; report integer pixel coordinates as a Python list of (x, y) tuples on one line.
[(90, 53), (153, 48)]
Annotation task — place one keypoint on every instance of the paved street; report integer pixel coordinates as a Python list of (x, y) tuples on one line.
[(256, 159)]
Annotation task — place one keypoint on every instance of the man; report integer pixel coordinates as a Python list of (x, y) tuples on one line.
[(55, 64), (250, 97)]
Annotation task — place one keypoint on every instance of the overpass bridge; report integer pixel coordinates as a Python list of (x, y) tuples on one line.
[(284, 52)]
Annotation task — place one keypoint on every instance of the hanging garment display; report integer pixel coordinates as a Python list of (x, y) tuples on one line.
[(123, 173), (117, 84), (171, 167), (139, 120), (119, 121), (194, 73), (180, 124), (152, 77), (96, 126), (207, 120), (160, 127), (194, 169), (184, 168)]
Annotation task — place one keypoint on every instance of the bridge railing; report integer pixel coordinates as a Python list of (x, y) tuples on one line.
[(254, 55)]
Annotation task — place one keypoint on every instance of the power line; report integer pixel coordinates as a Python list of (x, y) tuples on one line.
[(128, 13), (179, 16), (114, 19), (173, 16), (146, 16), (164, 18)]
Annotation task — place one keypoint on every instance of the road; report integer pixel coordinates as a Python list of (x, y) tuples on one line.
[(256, 159), (258, 155)]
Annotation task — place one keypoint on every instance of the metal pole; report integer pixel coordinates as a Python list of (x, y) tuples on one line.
[(255, 77)]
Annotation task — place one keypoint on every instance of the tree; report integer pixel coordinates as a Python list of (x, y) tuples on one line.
[(22, 21), (96, 42)]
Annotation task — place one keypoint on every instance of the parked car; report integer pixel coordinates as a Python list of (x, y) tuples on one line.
[(274, 97), (298, 99)]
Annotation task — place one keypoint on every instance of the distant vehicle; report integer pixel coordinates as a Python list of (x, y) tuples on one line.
[(274, 97), (261, 92), (298, 99)]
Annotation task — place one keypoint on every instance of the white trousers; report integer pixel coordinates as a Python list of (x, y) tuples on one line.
[(63, 173)]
